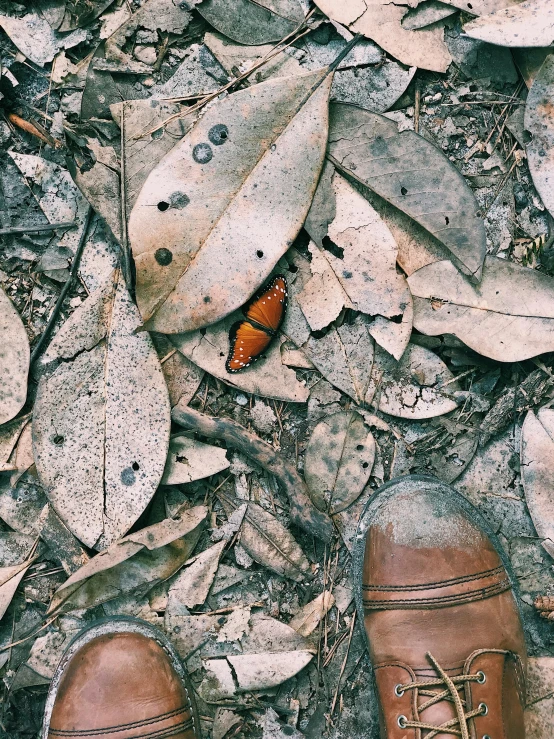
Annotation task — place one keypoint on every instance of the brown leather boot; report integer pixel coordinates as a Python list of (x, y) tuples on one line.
[(443, 626), (120, 679)]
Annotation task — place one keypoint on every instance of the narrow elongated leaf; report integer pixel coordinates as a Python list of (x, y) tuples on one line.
[(268, 542), (339, 460), (253, 21), (381, 21), (14, 360), (413, 175), (539, 121), (204, 230), (101, 420), (509, 317), (530, 24), (10, 577), (192, 585), (537, 472), (136, 562), (190, 460)]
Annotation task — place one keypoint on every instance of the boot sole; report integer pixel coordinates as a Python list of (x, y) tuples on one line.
[(407, 484), (118, 625)]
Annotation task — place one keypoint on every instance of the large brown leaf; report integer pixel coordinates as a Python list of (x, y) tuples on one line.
[(220, 209), (412, 174)]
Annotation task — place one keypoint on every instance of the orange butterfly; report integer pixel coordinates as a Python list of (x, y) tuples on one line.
[(264, 314)]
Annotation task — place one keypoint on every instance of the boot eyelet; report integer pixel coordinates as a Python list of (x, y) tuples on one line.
[(483, 708), (402, 721), (486, 736), (398, 690), (482, 678)]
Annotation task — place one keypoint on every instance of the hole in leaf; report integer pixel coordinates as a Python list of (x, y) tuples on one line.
[(446, 220), (135, 466), (403, 191), (259, 253), (162, 205), (359, 448), (58, 439), (332, 248), (365, 465), (293, 268)]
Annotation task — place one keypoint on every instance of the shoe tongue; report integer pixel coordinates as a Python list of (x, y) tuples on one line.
[(440, 712)]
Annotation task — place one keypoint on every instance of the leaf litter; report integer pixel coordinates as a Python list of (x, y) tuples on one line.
[(230, 523)]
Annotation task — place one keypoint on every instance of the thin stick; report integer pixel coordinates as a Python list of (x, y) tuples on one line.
[(417, 107), (126, 260), (36, 229), (29, 636), (343, 667), (43, 341)]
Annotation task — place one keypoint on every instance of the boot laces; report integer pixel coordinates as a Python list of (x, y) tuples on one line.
[(457, 726)]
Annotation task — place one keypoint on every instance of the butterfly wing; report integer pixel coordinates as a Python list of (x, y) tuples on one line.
[(247, 344), (269, 305)]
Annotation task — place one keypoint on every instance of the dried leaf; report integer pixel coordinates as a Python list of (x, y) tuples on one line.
[(530, 24), (34, 37), (10, 433), (509, 317), (182, 376), (269, 378), (14, 548), (273, 141), (14, 360), (192, 585), (253, 22), (189, 460), (268, 542), (82, 12), (411, 174), (101, 420), (307, 619), (339, 460), (10, 577), (133, 564), (274, 729), (411, 388), (540, 697), (539, 122), (382, 21), (264, 671), (426, 14), (537, 472)]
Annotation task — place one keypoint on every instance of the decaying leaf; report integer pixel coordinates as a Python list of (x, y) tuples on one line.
[(265, 671), (191, 586), (307, 619), (208, 348), (189, 460), (81, 13), (537, 472), (382, 21), (133, 564), (530, 24), (14, 360), (253, 21), (14, 548), (101, 419), (357, 269), (268, 542), (10, 577), (34, 37), (339, 460), (509, 317), (411, 174), (411, 388), (539, 121), (253, 154)]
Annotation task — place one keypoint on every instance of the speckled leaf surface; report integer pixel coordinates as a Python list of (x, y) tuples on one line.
[(268, 377), (530, 24), (509, 317), (412, 174), (539, 121), (220, 209), (339, 460), (253, 21), (101, 419), (14, 360), (190, 460), (537, 472)]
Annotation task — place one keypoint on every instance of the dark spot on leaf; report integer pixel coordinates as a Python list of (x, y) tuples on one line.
[(202, 153), (403, 191), (527, 137), (259, 253), (359, 448), (179, 200), (221, 354), (218, 134), (163, 257), (332, 248), (157, 134), (293, 268), (446, 220), (365, 465), (163, 205), (207, 299), (346, 274), (58, 439), (135, 466), (128, 476)]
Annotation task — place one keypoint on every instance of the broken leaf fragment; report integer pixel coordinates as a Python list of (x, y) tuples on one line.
[(339, 460), (254, 154), (133, 564), (530, 24), (190, 460), (537, 472), (509, 317), (411, 174), (14, 360), (101, 419), (191, 586)]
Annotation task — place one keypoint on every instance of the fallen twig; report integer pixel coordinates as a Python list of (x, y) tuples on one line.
[(302, 510), (36, 229), (42, 342)]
